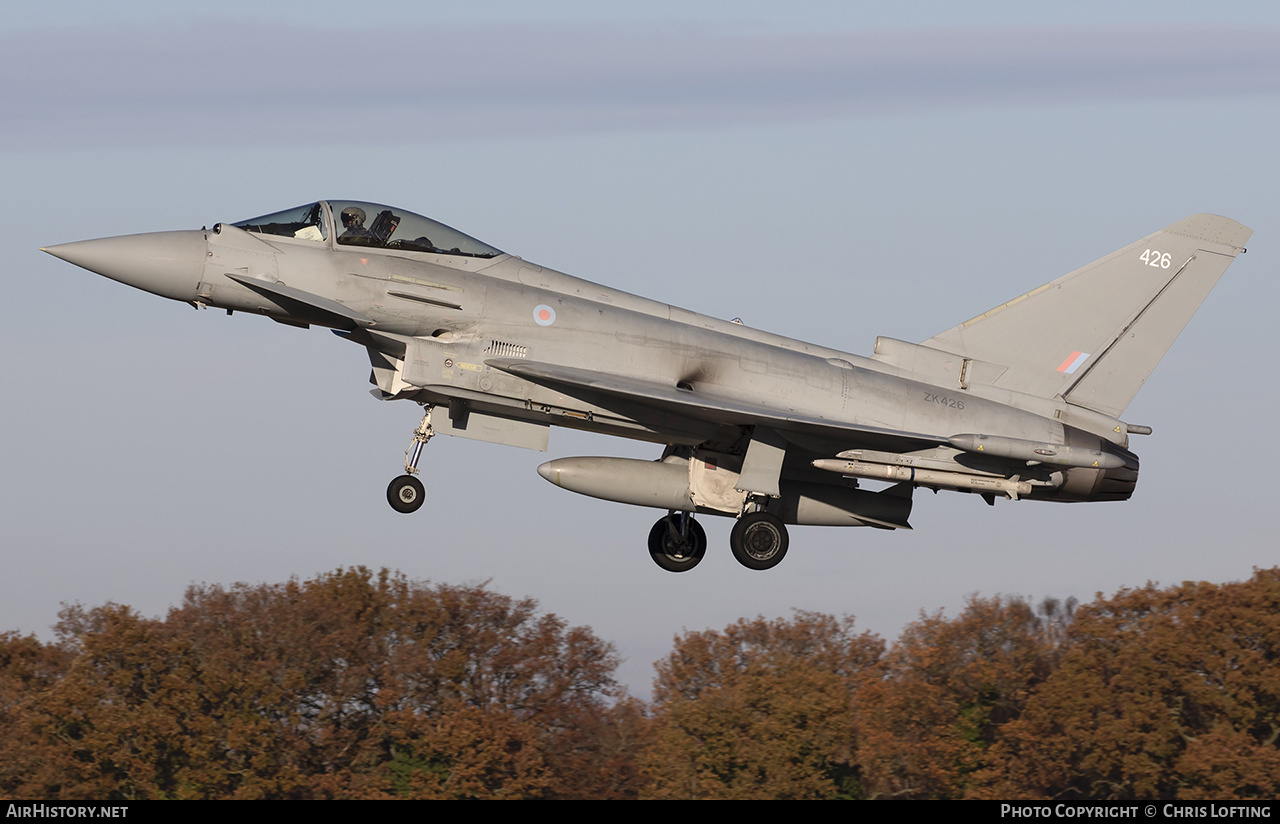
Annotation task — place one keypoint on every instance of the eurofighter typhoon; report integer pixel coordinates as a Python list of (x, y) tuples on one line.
[(1023, 402)]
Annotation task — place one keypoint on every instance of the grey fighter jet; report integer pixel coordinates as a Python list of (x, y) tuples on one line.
[(1022, 402)]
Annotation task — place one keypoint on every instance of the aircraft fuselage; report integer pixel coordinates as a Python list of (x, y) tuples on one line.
[(755, 424)]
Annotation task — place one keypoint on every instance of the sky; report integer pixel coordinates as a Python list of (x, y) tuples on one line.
[(833, 172)]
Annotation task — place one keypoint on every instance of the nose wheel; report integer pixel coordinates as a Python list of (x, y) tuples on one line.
[(405, 493)]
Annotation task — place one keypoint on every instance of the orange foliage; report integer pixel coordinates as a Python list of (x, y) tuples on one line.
[(357, 684), (348, 685)]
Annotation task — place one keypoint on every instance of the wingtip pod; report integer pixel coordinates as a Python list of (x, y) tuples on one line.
[(1213, 229)]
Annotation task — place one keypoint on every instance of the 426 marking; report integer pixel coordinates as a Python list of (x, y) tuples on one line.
[(954, 403), (1160, 260)]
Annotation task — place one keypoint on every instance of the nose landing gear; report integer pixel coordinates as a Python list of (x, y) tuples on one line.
[(405, 493)]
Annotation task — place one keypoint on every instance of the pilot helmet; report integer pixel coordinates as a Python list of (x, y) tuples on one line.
[(353, 215)]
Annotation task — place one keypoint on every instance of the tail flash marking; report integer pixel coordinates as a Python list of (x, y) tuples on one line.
[(1073, 362)]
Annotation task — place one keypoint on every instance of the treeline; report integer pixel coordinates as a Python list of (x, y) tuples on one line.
[(368, 685)]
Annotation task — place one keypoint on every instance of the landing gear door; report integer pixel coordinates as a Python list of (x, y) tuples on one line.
[(481, 427), (762, 466), (711, 483)]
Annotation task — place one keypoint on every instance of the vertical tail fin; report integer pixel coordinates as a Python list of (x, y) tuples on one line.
[(1092, 337)]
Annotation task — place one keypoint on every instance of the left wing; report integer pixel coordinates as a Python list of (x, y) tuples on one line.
[(710, 408)]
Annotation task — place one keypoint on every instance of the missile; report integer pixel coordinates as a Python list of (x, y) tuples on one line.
[(925, 477), (1034, 452)]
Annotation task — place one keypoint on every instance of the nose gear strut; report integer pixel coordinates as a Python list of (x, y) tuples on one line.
[(405, 493), (421, 435)]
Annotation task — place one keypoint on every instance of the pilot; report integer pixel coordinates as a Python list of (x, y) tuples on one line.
[(353, 224)]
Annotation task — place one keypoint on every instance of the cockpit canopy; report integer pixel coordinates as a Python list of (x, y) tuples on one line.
[(356, 223)]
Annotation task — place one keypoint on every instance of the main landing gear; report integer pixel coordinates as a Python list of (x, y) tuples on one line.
[(678, 542), (405, 493), (759, 540)]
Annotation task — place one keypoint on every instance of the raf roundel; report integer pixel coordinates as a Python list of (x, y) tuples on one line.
[(544, 315)]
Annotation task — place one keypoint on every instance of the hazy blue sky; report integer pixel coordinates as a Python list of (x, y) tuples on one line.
[(834, 172)]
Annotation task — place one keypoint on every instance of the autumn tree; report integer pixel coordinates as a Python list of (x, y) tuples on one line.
[(352, 684), (1161, 693), (760, 710), (28, 670), (356, 684), (947, 688)]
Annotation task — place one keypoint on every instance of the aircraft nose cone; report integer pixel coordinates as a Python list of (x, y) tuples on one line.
[(168, 264)]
